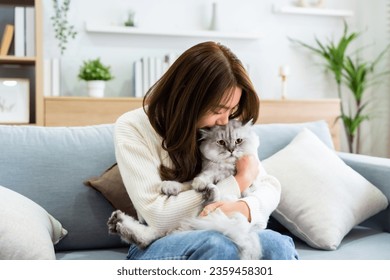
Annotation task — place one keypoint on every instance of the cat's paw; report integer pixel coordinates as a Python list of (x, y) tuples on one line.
[(199, 184), (115, 218), (171, 188), (211, 193)]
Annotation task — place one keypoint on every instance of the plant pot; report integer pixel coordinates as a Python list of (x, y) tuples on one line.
[(96, 88)]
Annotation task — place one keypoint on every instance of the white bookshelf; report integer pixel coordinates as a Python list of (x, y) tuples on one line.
[(291, 10), (98, 28)]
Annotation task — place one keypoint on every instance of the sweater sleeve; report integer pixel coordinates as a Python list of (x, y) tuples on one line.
[(139, 157), (264, 199)]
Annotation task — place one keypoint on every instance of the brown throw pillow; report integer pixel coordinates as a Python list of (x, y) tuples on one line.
[(111, 186)]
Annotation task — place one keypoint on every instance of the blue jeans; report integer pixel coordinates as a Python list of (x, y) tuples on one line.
[(211, 245)]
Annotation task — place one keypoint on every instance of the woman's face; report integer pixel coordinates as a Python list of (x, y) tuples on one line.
[(220, 115)]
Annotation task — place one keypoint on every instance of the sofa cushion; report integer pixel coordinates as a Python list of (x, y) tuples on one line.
[(322, 198), (101, 254), (27, 231), (361, 243), (110, 185), (50, 164)]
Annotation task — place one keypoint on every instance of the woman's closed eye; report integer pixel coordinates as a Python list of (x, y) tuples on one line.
[(219, 112), (222, 110)]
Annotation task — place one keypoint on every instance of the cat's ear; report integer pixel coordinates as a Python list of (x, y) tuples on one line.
[(203, 133), (249, 123), (235, 123)]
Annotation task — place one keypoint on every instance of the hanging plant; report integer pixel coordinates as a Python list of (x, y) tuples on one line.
[(62, 28)]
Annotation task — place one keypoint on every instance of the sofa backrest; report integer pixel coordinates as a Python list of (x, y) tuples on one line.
[(274, 137), (50, 164)]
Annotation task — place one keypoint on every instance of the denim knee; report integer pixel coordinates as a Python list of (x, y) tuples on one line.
[(276, 246), (215, 246)]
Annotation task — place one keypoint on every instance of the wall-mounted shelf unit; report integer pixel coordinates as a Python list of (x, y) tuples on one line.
[(291, 10), (98, 28)]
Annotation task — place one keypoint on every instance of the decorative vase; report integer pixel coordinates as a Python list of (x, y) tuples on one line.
[(96, 88), (214, 25)]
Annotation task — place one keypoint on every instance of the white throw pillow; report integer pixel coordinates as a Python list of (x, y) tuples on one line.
[(27, 231), (322, 198)]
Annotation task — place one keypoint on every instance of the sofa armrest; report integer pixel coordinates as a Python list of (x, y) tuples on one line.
[(377, 171)]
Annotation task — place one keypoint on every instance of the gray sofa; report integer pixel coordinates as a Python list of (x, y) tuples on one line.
[(48, 165)]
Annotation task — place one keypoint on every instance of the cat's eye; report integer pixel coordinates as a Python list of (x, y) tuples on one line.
[(221, 142), (239, 141)]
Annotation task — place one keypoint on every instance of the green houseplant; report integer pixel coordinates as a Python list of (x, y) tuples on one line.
[(95, 74), (355, 74), (62, 28)]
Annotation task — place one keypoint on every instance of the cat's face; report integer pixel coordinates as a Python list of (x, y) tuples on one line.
[(229, 142)]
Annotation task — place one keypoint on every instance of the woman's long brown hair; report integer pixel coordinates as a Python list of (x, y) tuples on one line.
[(194, 85)]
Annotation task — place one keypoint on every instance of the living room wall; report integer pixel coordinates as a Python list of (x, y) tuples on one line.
[(263, 57)]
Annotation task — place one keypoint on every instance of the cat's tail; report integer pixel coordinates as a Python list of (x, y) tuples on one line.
[(236, 227)]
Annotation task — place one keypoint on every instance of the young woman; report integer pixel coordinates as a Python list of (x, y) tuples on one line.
[(206, 86)]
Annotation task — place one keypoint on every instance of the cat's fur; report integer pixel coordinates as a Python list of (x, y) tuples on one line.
[(221, 146)]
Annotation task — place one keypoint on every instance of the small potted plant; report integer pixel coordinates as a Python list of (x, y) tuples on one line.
[(96, 74)]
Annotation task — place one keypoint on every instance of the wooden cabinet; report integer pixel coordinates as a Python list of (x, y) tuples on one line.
[(298, 111), (75, 111), (25, 67)]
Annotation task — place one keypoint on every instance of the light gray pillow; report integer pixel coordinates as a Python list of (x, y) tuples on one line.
[(27, 231), (322, 198)]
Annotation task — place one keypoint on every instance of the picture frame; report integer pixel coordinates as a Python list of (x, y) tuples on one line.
[(14, 100)]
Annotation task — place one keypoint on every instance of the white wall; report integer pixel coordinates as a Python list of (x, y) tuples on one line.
[(374, 22), (264, 56)]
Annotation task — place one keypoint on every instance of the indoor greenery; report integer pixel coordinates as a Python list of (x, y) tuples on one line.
[(355, 74), (94, 70), (62, 28)]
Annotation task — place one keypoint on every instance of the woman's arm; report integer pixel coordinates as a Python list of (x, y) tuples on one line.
[(264, 199), (259, 204), (139, 155)]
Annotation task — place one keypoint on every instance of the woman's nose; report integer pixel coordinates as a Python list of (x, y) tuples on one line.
[(223, 120)]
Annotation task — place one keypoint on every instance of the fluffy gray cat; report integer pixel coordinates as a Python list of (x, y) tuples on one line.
[(220, 146)]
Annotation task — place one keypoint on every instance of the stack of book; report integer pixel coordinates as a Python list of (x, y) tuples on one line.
[(22, 32), (51, 77), (148, 70)]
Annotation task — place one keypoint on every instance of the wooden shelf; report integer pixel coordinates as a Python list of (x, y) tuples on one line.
[(97, 28), (311, 11), (9, 59), (28, 64)]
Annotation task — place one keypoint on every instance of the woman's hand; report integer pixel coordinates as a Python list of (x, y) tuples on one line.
[(247, 169), (228, 207)]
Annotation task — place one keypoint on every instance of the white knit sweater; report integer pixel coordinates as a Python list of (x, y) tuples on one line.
[(139, 155)]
